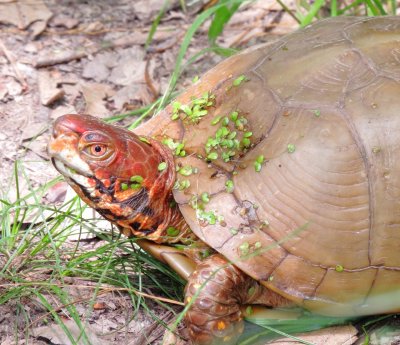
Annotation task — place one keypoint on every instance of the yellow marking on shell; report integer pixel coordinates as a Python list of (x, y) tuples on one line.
[(196, 286), (227, 338), (188, 299), (221, 325)]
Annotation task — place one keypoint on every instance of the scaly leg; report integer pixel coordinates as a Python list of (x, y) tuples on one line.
[(217, 290)]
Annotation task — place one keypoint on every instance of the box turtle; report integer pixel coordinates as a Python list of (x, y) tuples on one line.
[(279, 170)]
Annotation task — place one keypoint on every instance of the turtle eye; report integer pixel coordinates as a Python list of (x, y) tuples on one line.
[(97, 150), (96, 146)]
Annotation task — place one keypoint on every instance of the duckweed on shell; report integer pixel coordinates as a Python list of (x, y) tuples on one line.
[(339, 268), (244, 248), (162, 166), (229, 186), (205, 197), (291, 148), (239, 80)]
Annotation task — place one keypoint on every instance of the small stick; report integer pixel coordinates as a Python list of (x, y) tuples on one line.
[(136, 38)]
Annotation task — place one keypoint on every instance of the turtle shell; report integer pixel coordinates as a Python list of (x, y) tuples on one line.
[(292, 165)]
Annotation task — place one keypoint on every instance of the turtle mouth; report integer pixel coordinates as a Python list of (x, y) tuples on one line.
[(62, 149), (74, 175)]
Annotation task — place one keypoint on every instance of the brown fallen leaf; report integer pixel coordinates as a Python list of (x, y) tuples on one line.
[(55, 334), (65, 21), (37, 28), (172, 339), (62, 110), (57, 193), (24, 12), (95, 95), (33, 130), (148, 9), (100, 67), (130, 68), (48, 90)]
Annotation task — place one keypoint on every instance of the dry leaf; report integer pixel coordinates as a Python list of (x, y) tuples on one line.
[(130, 68), (33, 130), (95, 95), (24, 12), (62, 110), (56, 335), (37, 28), (171, 339), (49, 92), (65, 21), (57, 193), (100, 67), (148, 9), (126, 95)]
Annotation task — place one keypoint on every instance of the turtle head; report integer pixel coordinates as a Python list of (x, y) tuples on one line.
[(114, 171)]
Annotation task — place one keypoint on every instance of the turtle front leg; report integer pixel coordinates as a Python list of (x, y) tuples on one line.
[(217, 290)]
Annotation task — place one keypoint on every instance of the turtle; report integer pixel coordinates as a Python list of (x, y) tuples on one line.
[(278, 171)]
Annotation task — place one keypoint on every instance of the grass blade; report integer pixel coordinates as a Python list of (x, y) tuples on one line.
[(221, 17), (200, 19), (155, 24), (334, 9), (316, 6)]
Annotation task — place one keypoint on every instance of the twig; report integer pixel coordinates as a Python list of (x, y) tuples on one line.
[(135, 38), (104, 290), (69, 56), (149, 82)]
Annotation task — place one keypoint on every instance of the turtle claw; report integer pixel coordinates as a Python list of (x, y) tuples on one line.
[(217, 332)]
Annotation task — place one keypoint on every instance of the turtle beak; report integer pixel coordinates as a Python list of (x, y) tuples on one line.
[(63, 147)]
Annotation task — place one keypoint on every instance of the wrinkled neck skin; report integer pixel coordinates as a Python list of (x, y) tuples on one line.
[(119, 174)]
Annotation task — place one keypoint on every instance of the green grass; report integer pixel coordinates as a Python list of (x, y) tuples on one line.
[(36, 254), (37, 257)]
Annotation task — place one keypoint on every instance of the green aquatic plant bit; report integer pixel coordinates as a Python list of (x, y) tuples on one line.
[(239, 80), (162, 166), (244, 249), (258, 163), (195, 110), (317, 112), (339, 268), (212, 156), (205, 197), (229, 186), (291, 148)]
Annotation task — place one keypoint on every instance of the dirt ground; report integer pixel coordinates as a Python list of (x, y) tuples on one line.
[(69, 56)]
